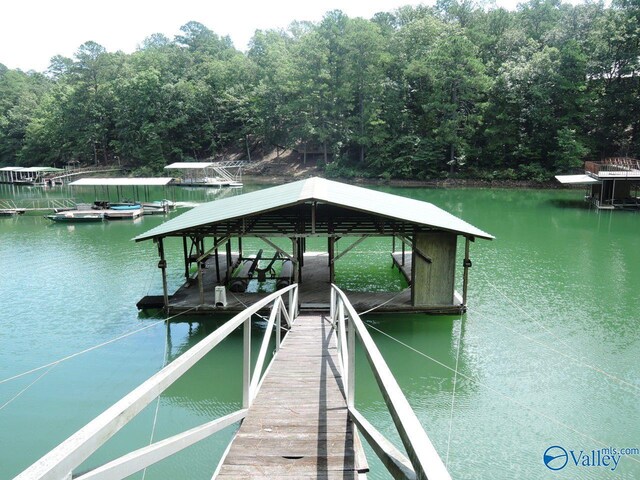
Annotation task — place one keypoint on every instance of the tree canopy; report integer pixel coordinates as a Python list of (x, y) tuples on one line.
[(420, 92)]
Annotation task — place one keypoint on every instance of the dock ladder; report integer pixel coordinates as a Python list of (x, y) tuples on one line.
[(311, 432)]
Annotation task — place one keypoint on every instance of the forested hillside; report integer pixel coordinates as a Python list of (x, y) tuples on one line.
[(415, 93)]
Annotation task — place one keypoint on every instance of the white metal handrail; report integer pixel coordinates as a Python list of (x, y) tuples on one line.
[(424, 461), (60, 462)]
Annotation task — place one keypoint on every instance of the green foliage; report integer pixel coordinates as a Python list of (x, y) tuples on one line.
[(457, 89)]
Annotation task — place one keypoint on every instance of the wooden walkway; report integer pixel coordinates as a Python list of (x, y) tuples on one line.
[(298, 426)]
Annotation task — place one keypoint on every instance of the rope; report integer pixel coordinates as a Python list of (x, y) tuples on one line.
[(505, 396), (560, 352), (453, 394), (155, 415), (26, 388), (149, 279), (247, 306), (555, 350), (90, 349), (382, 304)]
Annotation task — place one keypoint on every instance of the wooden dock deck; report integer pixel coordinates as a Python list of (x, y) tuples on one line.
[(314, 292), (298, 426)]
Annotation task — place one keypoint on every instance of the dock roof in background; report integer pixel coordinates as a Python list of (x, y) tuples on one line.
[(30, 169), (188, 165), (577, 179), (122, 181), (319, 190)]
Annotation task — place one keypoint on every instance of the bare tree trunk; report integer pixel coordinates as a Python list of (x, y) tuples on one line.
[(361, 98), (95, 153), (104, 151), (452, 158), (246, 140), (452, 148)]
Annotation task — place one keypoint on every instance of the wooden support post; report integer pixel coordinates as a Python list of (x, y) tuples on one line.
[(403, 249), (228, 275), (240, 247), (413, 269), (215, 253), (186, 258), (613, 192), (465, 278), (199, 263), (163, 267), (300, 258)]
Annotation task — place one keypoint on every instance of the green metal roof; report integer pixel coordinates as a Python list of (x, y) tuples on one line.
[(320, 190)]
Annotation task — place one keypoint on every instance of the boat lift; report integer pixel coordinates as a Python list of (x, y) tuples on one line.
[(209, 174)]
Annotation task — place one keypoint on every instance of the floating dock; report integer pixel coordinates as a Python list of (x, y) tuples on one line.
[(313, 296), (345, 216), (611, 184)]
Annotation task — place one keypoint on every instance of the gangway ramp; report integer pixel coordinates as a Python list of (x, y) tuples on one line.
[(298, 425), (298, 418)]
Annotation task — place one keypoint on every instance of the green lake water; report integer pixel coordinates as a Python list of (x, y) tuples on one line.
[(547, 354)]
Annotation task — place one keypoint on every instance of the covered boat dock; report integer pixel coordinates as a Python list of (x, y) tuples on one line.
[(26, 175), (208, 174), (284, 219), (610, 184), (135, 188)]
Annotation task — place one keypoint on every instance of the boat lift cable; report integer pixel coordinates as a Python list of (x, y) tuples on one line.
[(381, 304), (27, 387), (150, 278), (453, 393), (165, 357), (577, 361), (498, 392), (247, 306), (559, 352), (95, 347)]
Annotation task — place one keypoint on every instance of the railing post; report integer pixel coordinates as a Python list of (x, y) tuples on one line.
[(332, 310), (293, 303), (246, 364), (343, 331), (278, 304), (351, 361)]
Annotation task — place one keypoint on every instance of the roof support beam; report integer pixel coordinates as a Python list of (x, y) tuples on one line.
[(277, 248), (415, 249), (215, 246), (350, 247)]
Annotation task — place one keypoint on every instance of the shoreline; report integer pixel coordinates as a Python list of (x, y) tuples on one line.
[(446, 183)]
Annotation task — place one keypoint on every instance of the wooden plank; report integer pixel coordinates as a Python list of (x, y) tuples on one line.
[(298, 425)]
